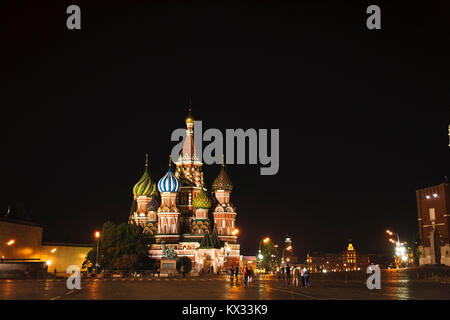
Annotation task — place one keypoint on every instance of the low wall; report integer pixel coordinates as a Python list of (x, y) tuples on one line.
[(19, 270)]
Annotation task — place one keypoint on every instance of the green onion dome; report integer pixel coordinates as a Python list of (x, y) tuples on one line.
[(145, 186), (201, 201), (222, 182)]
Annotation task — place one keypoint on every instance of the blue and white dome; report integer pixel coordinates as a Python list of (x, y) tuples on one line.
[(169, 183)]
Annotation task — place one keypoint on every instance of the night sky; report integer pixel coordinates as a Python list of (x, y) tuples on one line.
[(362, 114)]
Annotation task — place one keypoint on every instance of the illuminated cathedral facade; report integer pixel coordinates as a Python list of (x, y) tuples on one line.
[(179, 212)]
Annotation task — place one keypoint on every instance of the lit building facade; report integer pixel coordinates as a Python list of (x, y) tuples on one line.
[(347, 260), (195, 224), (434, 227)]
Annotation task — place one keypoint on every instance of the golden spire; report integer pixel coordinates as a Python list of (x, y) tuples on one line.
[(170, 160), (146, 159), (189, 117), (223, 160)]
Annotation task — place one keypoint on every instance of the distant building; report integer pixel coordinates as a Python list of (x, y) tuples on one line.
[(250, 261), (346, 260), (433, 218)]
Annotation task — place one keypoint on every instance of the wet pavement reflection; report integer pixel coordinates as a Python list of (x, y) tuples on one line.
[(219, 288)]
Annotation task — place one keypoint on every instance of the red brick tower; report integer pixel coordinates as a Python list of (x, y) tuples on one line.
[(433, 204)]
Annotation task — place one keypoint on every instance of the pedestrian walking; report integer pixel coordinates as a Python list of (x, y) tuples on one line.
[(231, 274), (296, 276), (302, 276), (245, 274), (306, 278), (282, 273), (236, 273), (250, 274), (288, 274)]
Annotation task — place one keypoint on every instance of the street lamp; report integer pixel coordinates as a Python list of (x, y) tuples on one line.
[(265, 240), (260, 255), (392, 233), (235, 232), (97, 236), (10, 242)]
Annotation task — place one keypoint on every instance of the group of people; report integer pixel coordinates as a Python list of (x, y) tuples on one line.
[(293, 274), (247, 274)]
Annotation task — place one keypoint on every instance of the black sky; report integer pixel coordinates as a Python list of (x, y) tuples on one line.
[(362, 114)]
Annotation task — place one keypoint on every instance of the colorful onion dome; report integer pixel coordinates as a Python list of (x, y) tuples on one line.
[(169, 183), (201, 201), (222, 182), (153, 205), (145, 186)]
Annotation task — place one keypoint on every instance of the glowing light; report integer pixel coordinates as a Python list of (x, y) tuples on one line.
[(260, 256), (266, 240), (97, 234), (10, 242), (49, 262), (53, 250), (289, 248), (324, 271), (428, 197), (435, 195), (235, 232)]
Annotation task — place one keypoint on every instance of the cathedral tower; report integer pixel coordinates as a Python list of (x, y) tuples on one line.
[(201, 203), (188, 171), (168, 214), (144, 192), (224, 213)]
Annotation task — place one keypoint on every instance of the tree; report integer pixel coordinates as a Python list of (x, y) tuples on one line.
[(186, 263), (270, 257), (121, 247)]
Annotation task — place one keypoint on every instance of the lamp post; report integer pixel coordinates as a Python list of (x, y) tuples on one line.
[(97, 236), (389, 232), (400, 250), (260, 255)]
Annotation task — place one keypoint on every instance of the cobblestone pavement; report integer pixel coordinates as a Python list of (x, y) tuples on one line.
[(218, 288)]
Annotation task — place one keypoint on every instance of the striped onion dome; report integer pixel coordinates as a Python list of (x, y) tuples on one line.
[(145, 186), (201, 201), (169, 183), (222, 182)]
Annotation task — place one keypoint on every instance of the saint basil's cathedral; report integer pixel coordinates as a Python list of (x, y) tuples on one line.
[(196, 225)]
